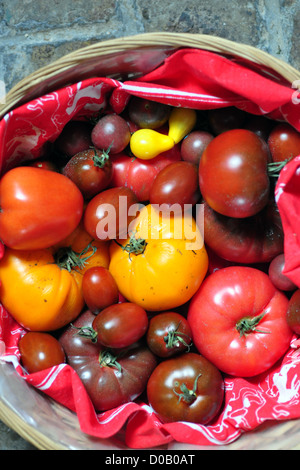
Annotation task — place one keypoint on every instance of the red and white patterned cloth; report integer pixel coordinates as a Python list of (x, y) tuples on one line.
[(189, 78)]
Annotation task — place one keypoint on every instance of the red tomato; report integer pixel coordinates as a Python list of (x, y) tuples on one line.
[(238, 321), (99, 289), (177, 184), (111, 378), (168, 334), (40, 351), (118, 326), (39, 208), (284, 142), (90, 170), (293, 312), (233, 173), (108, 215), (256, 239), (186, 388), (138, 175)]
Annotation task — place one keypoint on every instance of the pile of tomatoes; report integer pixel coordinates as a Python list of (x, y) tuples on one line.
[(146, 251)]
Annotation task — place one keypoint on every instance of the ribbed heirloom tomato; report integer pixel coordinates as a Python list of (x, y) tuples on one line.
[(42, 289), (163, 262), (238, 321)]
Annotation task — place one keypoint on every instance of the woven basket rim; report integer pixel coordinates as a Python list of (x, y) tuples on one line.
[(145, 41)]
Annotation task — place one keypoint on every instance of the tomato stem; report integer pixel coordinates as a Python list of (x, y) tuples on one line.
[(101, 158), (274, 168), (107, 359), (67, 258), (186, 394), (135, 245), (174, 338), (248, 325), (87, 332)]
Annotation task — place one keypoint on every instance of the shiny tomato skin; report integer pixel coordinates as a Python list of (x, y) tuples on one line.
[(233, 175), (176, 184), (256, 239), (276, 275), (194, 372), (107, 386), (39, 208), (293, 312), (168, 334), (86, 171), (119, 200), (194, 144), (99, 289), (219, 316), (284, 142), (120, 325), (137, 174), (148, 114), (111, 133), (40, 351)]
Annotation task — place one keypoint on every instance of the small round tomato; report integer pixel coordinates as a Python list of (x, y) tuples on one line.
[(111, 133), (168, 334), (276, 275), (176, 185), (233, 173), (284, 142), (194, 144), (118, 326), (40, 351), (148, 114), (75, 137), (225, 119), (108, 214), (90, 170), (186, 388), (238, 321), (293, 312), (99, 289)]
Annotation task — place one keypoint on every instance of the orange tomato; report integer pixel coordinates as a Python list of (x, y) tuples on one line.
[(42, 289), (163, 263)]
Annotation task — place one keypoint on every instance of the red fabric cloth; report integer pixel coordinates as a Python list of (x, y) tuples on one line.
[(191, 78)]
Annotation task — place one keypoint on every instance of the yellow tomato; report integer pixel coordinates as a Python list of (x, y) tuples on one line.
[(163, 263), (181, 123), (148, 143), (42, 289)]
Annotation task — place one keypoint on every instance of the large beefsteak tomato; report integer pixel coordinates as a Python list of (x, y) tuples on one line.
[(164, 261), (238, 321)]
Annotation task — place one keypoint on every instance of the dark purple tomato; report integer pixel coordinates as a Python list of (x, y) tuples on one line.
[(233, 173), (293, 312), (74, 138), (276, 275), (193, 146), (225, 119), (40, 351), (111, 133), (148, 114), (168, 334), (260, 125), (110, 377), (176, 184), (120, 325), (99, 289), (91, 171), (256, 239)]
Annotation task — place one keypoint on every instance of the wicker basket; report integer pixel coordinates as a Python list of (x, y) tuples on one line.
[(39, 420)]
